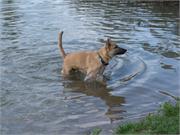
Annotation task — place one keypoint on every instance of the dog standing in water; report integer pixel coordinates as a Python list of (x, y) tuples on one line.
[(91, 63)]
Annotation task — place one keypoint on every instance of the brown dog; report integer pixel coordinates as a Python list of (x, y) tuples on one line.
[(91, 63)]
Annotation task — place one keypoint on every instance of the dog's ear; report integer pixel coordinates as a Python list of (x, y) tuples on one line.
[(108, 43)]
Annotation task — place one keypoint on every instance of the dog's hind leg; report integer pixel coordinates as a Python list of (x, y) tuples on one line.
[(65, 71)]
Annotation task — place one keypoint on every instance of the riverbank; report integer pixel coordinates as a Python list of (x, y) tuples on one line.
[(166, 121)]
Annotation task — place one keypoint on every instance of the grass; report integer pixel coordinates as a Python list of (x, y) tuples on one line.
[(166, 121), (96, 131)]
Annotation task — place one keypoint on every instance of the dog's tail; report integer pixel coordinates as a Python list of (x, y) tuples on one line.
[(60, 44)]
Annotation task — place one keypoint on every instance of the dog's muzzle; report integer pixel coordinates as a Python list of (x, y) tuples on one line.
[(121, 51)]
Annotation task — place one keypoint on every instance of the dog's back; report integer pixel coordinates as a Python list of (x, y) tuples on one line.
[(81, 61)]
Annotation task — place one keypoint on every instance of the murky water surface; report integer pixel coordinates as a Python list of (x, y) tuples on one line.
[(34, 96)]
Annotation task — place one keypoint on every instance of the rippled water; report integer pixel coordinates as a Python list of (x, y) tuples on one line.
[(34, 96)]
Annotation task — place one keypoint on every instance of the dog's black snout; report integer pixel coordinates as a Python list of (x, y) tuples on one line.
[(123, 51)]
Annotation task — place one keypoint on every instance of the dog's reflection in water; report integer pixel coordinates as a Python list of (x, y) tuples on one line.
[(76, 84)]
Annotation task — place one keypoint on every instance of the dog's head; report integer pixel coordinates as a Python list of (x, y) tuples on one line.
[(113, 49)]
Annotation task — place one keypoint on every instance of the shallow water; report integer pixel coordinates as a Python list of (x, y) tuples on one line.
[(34, 96)]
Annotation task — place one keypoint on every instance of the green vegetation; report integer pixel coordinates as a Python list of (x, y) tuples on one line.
[(165, 122), (96, 131)]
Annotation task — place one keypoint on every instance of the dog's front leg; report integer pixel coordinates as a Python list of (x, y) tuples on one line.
[(91, 76), (100, 78)]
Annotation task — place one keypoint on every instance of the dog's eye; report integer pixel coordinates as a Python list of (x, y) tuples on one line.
[(116, 47)]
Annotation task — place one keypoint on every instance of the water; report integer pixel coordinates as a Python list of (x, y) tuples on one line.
[(36, 99)]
